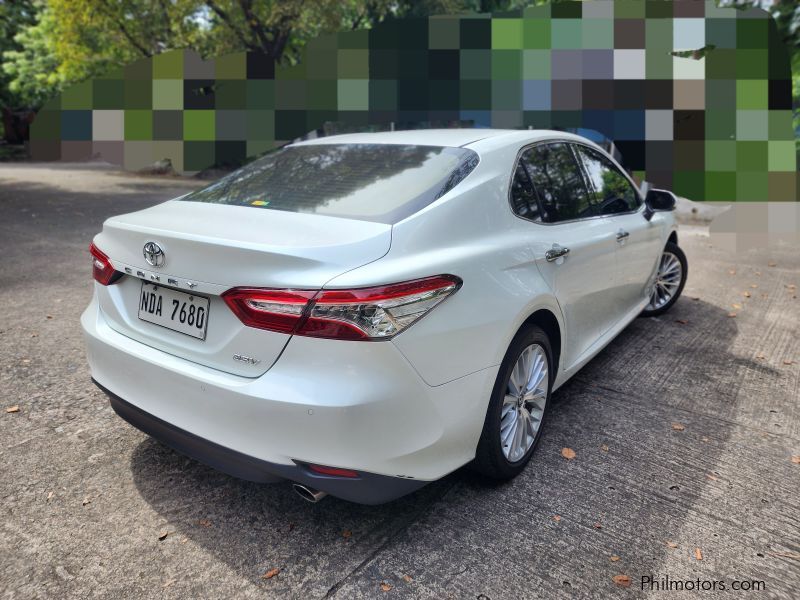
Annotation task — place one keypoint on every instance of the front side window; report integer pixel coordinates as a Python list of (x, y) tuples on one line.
[(612, 192), (370, 182), (558, 182)]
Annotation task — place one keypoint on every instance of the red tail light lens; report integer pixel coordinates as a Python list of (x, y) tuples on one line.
[(333, 471), (102, 269), (274, 310), (376, 313)]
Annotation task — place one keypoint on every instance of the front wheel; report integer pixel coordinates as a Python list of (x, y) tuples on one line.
[(518, 406), (670, 279)]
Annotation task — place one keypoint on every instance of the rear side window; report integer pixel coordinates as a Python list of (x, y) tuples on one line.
[(612, 192), (371, 182), (558, 182), (523, 196)]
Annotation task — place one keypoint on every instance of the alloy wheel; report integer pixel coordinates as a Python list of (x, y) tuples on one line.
[(524, 403), (668, 280)]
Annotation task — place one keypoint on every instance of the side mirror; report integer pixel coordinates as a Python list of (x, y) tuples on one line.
[(658, 200)]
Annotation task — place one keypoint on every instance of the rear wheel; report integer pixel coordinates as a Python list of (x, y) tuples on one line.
[(518, 406), (670, 279)]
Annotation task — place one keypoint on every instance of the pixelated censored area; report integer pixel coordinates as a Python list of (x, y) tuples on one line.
[(696, 98)]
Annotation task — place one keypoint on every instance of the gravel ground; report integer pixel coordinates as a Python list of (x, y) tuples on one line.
[(684, 430)]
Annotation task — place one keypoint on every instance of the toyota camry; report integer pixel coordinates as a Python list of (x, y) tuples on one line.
[(363, 314)]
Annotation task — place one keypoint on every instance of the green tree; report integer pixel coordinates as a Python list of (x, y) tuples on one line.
[(14, 17), (30, 70)]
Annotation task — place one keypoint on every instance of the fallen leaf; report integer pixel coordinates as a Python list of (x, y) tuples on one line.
[(204, 522), (622, 580), (556, 518), (796, 459), (163, 535), (772, 264), (604, 448), (597, 525), (736, 306), (672, 544), (86, 501), (12, 409), (270, 574), (682, 321), (711, 477), (568, 453), (793, 555), (746, 294), (731, 315), (614, 558), (678, 426), (698, 554), (407, 578), (385, 586), (347, 533), (788, 361)]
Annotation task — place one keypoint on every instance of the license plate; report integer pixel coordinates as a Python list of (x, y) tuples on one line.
[(178, 311)]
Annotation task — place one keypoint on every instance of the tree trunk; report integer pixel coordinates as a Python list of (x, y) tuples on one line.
[(16, 125)]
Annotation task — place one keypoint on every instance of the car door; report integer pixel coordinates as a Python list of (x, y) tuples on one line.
[(638, 240), (573, 246)]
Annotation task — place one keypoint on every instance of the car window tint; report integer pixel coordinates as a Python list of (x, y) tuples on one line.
[(371, 182), (613, 192), (523, 196), (558, 182)]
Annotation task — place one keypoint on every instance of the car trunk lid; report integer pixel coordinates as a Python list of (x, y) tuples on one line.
[(210, 248)]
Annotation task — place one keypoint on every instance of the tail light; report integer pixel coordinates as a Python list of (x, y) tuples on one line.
[(375, 313), (102, 269), (274, 310)]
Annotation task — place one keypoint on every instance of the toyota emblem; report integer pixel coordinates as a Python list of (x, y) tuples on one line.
[(153, 254)]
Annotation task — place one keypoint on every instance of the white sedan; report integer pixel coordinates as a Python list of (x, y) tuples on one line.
[(363, 314)]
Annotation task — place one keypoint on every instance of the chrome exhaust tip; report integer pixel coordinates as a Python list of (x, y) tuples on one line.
[(308, 494)]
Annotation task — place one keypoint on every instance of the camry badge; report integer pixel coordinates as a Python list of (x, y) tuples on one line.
[(153, 254), (246, 359)]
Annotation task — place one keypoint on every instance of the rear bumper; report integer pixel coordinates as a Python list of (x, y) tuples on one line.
[(351, 405), (368, 488)]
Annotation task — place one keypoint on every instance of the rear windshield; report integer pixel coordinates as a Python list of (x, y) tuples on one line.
[(370, 182)]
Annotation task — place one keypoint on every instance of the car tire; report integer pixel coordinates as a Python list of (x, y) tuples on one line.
[(491, 459), (655, 308)]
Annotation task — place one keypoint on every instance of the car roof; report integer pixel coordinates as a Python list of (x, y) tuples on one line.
[(455, 138)]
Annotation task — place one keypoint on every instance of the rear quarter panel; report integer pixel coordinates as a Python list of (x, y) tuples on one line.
[(470, 233)]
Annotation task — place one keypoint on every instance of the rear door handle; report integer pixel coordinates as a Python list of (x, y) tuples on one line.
[(555, 253), (622, 234)]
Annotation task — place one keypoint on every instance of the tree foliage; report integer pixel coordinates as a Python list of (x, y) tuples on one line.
[(46, 44)]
